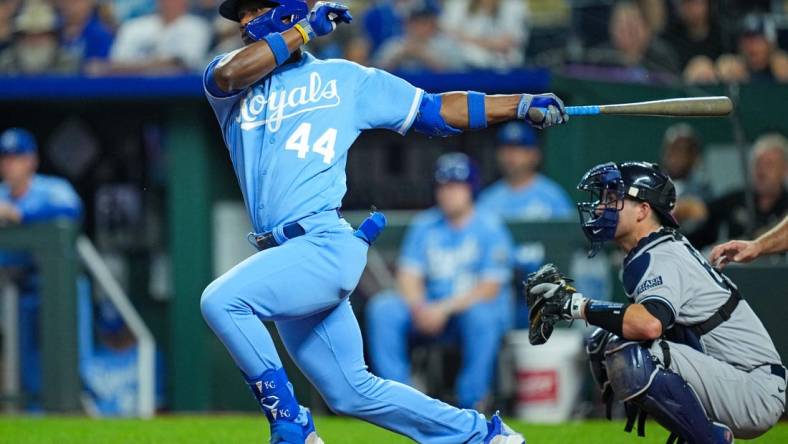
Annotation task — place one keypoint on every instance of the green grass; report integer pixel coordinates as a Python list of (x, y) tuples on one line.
[(252, 429)]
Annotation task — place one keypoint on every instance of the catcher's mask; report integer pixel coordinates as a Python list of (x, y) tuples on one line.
[(609, 184), (283, 15)]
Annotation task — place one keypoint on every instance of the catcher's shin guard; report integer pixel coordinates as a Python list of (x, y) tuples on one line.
[(637, 377), (596, 344)]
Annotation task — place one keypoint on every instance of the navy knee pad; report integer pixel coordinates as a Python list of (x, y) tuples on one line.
[(636, 376)]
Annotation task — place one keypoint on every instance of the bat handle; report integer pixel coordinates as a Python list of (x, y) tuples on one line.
[(588, 110)]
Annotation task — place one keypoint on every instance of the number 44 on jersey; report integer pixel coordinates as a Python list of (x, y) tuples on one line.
[(324, 145)]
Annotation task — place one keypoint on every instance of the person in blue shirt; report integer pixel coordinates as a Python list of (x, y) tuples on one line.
[(83, 36), (453, 284), (27, 197), (288, 120), (523, 193)]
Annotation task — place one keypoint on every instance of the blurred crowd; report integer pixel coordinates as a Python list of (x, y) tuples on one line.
[(697, 41)]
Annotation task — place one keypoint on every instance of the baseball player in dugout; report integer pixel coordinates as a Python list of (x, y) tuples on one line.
[(686, 349), (452, 286), (288, 120)]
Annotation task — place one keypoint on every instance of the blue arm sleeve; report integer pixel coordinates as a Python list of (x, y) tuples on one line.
[(429, 120)]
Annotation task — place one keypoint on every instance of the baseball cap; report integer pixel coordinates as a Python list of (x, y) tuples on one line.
[(36, 18), (424, 8), (17, 141), (518, 134), (758, 25)]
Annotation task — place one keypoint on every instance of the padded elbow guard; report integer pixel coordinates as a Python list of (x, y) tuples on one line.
[(429, 121)]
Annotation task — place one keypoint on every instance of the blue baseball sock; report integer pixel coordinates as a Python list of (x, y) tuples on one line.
[(274, 393)]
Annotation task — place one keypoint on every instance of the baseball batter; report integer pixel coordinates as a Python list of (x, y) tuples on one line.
[(288, 120), (687, 349)]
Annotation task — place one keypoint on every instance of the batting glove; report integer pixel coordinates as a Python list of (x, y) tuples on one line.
[(545, 110), (325, 15)]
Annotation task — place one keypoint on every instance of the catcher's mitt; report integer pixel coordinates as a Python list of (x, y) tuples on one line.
[(548, 296)]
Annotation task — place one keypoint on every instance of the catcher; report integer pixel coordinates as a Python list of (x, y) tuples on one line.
[(686, 349)]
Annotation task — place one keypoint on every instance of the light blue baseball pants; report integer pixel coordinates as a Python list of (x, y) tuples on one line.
[(303, 285)]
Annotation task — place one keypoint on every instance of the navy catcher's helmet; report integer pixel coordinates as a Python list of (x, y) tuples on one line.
[(609, 184), (273, 20), (457, 167)]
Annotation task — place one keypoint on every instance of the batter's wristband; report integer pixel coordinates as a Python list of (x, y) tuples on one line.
[(302, 31), (278, 47), (477, 114), (305, 29)]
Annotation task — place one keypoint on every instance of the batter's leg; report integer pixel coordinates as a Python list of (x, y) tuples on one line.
[(328, 348), (294, 280), (388, 326)]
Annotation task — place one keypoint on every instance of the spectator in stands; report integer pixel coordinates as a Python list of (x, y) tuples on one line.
[(27, 197), (759, 58), (125, 10), (169, 42), (8, 9), (423, 46), (83, 36), (382, 21), (34, 49), (492, 32), (681, 158), (453, 285), (693, 34), (633, 45), (523, 193), (729, 212)]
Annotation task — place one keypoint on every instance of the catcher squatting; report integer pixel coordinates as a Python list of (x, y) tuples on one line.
[(687, 350)]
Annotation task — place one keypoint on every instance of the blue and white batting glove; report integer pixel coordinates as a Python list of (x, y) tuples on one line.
[(325, 15), (545, 110)]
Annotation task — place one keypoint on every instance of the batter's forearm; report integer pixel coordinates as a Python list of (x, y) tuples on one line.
[(498, 108), (245, 67)]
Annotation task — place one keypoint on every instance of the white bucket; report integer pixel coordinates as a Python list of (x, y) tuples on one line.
[(549, 376)]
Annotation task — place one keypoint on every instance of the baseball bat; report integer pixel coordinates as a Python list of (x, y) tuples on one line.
[(683, 107)]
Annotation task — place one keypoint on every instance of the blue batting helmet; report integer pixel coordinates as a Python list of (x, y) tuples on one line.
[(457, 167), (609, 184), (17, 141), (271, 21)]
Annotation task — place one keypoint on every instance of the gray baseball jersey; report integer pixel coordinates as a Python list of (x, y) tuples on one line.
[(731, 374)]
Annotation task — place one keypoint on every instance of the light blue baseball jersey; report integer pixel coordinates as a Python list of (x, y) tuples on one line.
[(47, 198), (453, 260), (540, 200), (289, 133)]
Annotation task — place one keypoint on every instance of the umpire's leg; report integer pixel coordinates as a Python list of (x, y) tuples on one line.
[(750, 403)]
